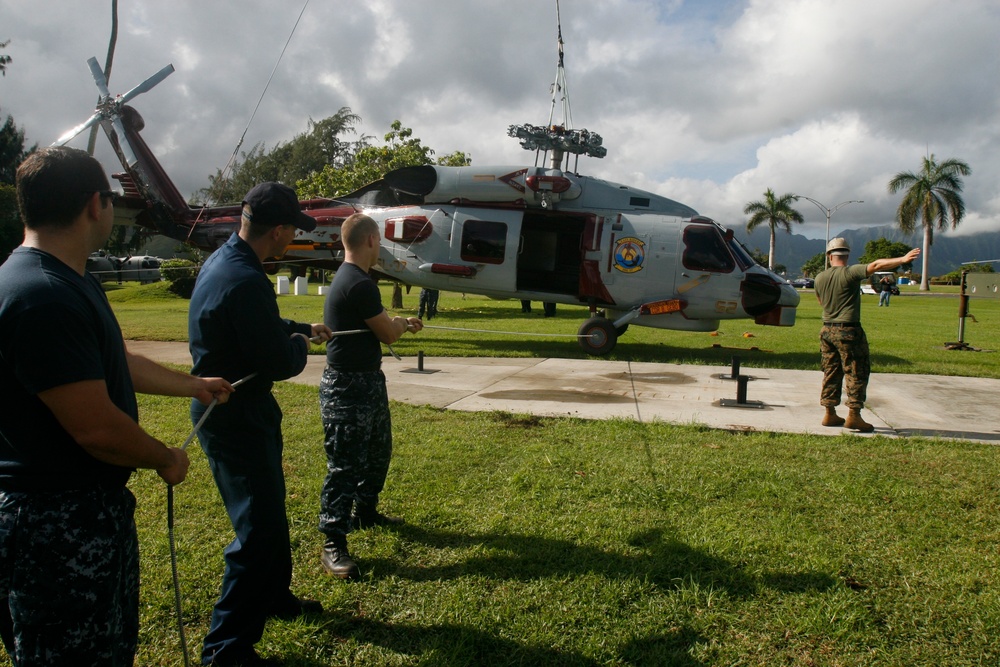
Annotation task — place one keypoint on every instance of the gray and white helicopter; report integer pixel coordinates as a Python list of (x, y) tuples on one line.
[(544, 233)]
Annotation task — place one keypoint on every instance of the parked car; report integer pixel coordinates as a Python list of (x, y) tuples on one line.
[(803, 283), (145, 269)]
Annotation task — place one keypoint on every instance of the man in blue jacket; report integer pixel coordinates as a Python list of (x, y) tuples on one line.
[(235, 330)]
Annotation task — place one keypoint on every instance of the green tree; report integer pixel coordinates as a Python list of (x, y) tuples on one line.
[(12, 151), (11, 229), (758, 256), (814, 266), (932, 197), (307, 153), (4, 59), (883, 248), (775, 212), (369, 163)]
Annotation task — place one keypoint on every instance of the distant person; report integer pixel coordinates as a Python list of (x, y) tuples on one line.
[(842, 340), (526, 306), (235, 329), (549, 308), (354, 403), (886, 284), (69, 437), (428, 303)]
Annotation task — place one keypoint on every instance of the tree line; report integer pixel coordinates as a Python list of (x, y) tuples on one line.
[(932, 199)]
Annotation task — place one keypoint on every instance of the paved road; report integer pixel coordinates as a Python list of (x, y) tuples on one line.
[(774, 400)]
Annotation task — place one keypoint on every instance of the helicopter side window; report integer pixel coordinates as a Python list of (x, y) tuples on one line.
[(484, 241), (705, 250)]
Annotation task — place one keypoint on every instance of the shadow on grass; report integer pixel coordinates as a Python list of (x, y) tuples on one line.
[(655, 557), (449, 645)]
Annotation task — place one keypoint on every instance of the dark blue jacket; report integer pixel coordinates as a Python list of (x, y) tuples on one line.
[(234, 327)]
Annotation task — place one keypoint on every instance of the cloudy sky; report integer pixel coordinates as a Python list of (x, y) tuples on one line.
[(708, 102)]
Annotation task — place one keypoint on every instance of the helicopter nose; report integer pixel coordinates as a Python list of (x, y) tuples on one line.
[(768, 299)]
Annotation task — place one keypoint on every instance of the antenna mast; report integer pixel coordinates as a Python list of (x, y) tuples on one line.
[(559, 138)]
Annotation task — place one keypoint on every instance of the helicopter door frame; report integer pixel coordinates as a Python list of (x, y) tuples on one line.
[(487, 239)]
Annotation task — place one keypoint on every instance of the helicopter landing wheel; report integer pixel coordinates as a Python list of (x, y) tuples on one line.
[(598, 336)]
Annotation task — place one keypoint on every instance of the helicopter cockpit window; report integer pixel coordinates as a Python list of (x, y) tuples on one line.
[(743, 258), (484, 241), (705, 250)]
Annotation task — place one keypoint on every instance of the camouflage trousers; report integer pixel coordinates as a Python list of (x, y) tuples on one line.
[(69, 577), (357, 428), (845, 357)]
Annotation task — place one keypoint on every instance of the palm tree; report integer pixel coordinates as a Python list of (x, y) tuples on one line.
[(776, 212), (932, 196)]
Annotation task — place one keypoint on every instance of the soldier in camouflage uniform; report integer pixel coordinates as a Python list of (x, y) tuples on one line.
[(69, 437), (843, 343), (353, 400)]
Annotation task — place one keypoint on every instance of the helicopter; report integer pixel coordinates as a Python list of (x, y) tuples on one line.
[(543, 233)]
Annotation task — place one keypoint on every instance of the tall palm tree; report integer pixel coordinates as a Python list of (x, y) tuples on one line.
[(776, 212), (932, 196)]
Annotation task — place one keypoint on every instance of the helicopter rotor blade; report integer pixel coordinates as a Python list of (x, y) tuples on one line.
[(65, 138), (123, 143), (148, 83), (99, 79)]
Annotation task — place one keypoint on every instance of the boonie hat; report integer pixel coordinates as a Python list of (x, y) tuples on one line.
[(274, 204), (838, 246)]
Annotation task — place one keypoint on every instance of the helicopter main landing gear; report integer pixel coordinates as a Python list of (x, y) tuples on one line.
[(598, 336)]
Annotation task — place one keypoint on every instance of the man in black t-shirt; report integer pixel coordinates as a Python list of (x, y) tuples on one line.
[(354, 403), (69, 437)]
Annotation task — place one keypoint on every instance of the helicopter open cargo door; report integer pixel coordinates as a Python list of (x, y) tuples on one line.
[(484, 247), (550, 254)]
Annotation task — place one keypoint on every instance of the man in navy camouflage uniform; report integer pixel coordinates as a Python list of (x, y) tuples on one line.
[(843, 343), (69, 437), (354, 403)]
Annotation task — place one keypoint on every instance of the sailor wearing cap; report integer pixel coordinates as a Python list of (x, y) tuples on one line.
[(843, 343), (235, 329)]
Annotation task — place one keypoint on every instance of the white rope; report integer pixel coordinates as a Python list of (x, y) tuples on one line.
[(509, 333)]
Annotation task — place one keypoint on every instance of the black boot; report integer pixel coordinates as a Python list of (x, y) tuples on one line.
[(337, 561), (369, 517)]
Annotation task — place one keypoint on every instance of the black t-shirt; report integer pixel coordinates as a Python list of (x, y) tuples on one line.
[(56, 328), (353, 298)]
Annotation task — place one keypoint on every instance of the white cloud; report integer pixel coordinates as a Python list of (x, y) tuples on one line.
[(709, 103)]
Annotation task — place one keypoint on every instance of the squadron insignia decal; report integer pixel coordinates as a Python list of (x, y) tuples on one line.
[(629, 253)]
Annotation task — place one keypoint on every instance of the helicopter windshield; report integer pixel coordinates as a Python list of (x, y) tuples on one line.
[(743, 257), (705, 250)]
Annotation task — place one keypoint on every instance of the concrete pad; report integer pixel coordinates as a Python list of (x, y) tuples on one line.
[(776, 400)]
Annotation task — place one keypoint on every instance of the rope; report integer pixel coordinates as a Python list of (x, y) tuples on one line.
[(170, 528), (509, 333)]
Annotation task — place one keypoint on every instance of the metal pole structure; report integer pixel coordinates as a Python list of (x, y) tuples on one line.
[(829, 212)]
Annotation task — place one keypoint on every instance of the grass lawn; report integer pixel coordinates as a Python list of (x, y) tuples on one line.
[(540, 541), (907, 337), (557, 541)]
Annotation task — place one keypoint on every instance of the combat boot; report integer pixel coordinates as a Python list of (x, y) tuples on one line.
[(854, 421), (366, 517), (831, 418), (337, 560)]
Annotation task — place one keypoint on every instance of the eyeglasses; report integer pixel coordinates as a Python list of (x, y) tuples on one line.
[(108, 194)]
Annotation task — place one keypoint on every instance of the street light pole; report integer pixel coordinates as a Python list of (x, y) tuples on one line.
[(829, 212)]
